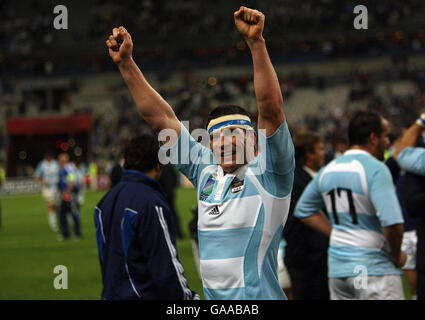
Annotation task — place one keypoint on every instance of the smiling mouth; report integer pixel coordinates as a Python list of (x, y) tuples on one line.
[(228, 154)]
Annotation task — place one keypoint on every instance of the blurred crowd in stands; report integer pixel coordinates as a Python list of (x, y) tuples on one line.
[(178, 34), (187, 19)]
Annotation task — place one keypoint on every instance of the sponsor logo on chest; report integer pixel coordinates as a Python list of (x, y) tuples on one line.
[(237, 186), (214, 211)]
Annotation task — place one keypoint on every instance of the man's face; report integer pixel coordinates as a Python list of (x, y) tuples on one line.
[(384, 141), (318, 156), (233, 147), (63, 159)]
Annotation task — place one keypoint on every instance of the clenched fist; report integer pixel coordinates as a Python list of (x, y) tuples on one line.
[(250, 23), (120, 45)]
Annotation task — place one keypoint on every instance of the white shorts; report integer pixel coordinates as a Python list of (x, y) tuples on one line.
[(386, 287), (408, 245), (50, 195), (81, 198), (282, 272)]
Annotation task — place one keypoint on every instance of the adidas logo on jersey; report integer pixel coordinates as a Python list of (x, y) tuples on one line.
[(214, 211)]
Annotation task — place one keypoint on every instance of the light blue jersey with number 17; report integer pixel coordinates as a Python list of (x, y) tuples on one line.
[(360, 198)]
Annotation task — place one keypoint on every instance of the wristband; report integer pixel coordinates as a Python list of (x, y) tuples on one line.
[(421, 120)]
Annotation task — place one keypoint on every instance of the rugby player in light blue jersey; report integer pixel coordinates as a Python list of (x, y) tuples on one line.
[(69, 186), (47, 173), (242, 205), (366, 223)]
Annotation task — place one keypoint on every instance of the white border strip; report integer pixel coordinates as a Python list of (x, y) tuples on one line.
[(179, 268), (101, 223)]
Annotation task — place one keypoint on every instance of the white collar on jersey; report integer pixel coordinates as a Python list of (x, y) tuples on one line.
[(356, 151), (310, 172), (239, 173)]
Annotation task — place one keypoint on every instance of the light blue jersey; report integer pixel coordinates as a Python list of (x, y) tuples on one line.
[(48, 171), (359, 195), (412, 160), (241, 217)]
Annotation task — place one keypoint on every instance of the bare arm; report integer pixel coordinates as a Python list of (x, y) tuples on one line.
[(394, 235), (250, 24), (318, 222), (409, 138), (153, 108)]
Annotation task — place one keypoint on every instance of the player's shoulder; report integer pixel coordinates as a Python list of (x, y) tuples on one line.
[(375, 170), (132, 190), (374, 165), (365, 159)]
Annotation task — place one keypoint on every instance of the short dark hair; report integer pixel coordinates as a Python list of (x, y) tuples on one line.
[(229, 109), (141, 153), (49, 154), (361, 125), (304, 141)]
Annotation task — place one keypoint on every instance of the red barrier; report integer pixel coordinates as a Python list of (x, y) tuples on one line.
[(49, 125)]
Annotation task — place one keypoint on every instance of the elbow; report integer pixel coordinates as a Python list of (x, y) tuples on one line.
[(396, 153), (271, 101), (271, 112), (158, 122), (394, 231)]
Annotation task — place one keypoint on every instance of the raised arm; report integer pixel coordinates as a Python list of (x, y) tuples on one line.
[(153, 108), (410, 136), (250, 23)]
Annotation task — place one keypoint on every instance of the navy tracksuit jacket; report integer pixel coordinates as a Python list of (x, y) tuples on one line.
[(136, 242)]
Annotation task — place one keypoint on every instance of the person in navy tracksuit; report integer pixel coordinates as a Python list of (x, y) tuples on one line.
[(69, 187), (135, 232)]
